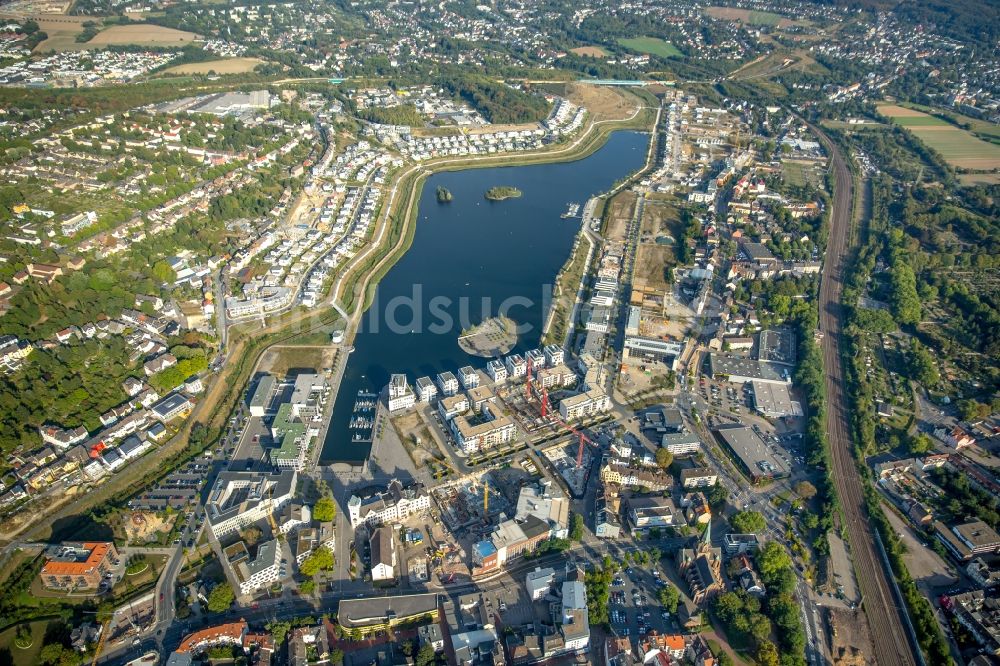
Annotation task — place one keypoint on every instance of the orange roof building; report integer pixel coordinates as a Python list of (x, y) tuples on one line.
[(75, 565), (221, 634)]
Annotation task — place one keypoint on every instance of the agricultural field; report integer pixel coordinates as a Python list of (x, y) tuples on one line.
[(589, 51), (984, 129), (979, 178), (958, 147), (750, 16), (62, 32), (775, 63), (651, 45), (141, 34), (223, 66)]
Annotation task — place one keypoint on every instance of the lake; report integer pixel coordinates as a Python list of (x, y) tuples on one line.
[(472, 259)]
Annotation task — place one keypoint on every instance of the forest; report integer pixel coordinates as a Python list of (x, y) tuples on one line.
[(497, 102)]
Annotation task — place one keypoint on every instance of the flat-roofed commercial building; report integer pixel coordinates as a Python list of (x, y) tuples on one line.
[(774, 400), (260, 400), (650, 512), (740, 369), (777, 346), (752, 453), (968, 540), (652, 350), (374, 613), (240, 498)]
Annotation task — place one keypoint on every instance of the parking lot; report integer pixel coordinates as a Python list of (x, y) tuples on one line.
[(634, 609), (734, 404)]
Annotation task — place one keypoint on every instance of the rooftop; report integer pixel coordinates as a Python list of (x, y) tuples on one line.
[(376, 610)]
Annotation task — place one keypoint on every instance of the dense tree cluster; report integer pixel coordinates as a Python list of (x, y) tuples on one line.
[(598, 583), (69, 384), (404, 114), (221, 598), (755, 620), (961, 499), (497, 102)]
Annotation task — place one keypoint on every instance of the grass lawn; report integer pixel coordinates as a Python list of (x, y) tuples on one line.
[(652, 46), (793, 174), (26, 657), (919, 121), (764, 18)]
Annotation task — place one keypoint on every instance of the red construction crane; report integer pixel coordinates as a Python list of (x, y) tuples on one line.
[(546, 412)]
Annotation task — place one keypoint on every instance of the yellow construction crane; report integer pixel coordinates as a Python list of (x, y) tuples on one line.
[(270, 511), (486, 498), (100, 642)]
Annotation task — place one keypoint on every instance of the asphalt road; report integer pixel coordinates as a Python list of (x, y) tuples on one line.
[(886, 620)]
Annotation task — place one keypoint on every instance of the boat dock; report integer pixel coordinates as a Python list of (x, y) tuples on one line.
[(572, 210), (363, 417)]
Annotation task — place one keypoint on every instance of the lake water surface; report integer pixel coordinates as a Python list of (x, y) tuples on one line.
[(472, 259)]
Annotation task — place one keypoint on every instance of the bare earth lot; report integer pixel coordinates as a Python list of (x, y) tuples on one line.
[(589, 51), (602, 103), (223, 66)]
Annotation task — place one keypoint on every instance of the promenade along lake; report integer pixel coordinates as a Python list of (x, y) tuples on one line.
[(469, 258)]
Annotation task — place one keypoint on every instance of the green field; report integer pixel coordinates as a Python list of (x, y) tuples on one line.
[(918, 121), (764, 18), (983, 128), (652, 46), (960, 148), (957, 146)]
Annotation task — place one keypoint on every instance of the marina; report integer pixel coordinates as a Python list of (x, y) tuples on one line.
[(572, 210), (363, 417)]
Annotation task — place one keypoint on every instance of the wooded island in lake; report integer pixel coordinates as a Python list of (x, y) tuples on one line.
[(502, 192), (443, 194)]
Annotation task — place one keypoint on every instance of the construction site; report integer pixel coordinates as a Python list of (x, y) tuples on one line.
[(469, 503)]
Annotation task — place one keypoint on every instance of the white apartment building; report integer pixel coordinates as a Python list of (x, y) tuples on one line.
[(401, 396), (594, 401), (448, 383), (516, 366), (426, 390), (497, 371), (470, 438), (469, 377), (396, 503), (554, 355), (259, 572)]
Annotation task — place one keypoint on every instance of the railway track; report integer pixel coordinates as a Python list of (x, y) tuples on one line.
[(887, 621)]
